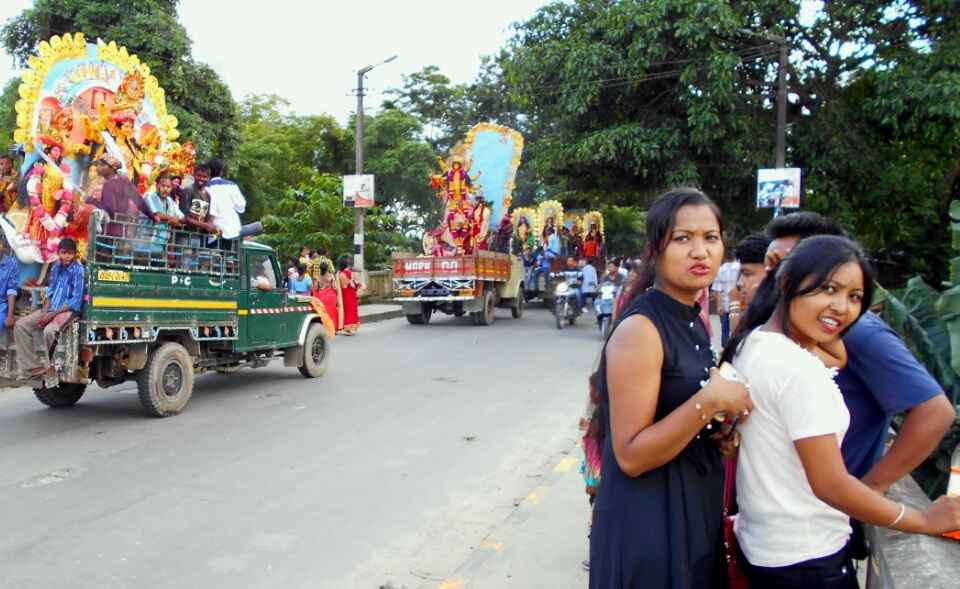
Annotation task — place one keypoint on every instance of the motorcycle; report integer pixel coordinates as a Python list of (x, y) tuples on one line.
[(566, 307), (603, 305)]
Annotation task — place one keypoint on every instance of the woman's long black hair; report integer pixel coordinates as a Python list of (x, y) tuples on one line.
[(804, 272), (661, 219)]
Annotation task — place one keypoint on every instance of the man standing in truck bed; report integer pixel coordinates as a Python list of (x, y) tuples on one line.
[(64, 299)]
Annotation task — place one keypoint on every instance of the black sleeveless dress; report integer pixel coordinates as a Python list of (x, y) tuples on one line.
[(663, 529)]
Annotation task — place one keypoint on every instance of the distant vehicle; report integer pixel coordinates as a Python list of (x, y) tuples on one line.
[(476, 284), (603, 305), (160, 318), (566, 306)]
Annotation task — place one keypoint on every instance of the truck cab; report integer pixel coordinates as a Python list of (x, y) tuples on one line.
[(160, 314)]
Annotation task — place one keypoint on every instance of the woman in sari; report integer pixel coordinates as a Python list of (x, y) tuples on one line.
[(328, 291), (351, 301)]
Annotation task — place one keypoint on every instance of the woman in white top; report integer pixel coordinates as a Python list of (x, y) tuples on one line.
[(795, 495)]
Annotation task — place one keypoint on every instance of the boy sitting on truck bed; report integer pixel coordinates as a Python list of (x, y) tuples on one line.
[(64, 299), (9, 275)]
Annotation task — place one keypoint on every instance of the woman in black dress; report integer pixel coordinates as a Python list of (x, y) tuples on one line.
[(657, 518)]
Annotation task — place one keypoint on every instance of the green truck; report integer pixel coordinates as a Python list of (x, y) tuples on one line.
[(160, 312)]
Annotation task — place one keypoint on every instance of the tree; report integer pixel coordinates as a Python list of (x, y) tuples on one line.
[(279, 150), (395, 152), (150, 29), (622, 100), (313, 214), (624, 229)]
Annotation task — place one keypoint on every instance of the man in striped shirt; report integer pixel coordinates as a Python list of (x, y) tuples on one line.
[(39, 330)]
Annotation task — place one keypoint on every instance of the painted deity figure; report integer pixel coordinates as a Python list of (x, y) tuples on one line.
[(50, 201), (549, 226)]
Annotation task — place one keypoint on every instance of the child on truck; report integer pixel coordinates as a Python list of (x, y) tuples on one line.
[(39, 330)]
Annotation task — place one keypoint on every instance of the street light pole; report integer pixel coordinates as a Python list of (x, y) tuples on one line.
[(359, 211)]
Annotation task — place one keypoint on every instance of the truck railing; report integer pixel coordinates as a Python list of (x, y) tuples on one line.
[(136, 243)]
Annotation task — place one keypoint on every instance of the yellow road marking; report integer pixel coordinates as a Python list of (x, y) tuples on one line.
[(535, 497), (566, 464), (243, 312), (491, 544), (125, 302), (452, 584)]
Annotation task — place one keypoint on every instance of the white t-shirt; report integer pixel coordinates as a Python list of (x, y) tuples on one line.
[(781, 521), (589, 279), (226, 204)]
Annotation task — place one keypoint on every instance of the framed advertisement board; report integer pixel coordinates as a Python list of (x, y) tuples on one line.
[(358, 191)]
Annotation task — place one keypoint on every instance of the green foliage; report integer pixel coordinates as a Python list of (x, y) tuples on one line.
[(8, 113), (929, 323), (150, 29), (624, 230), (313, 214), (622, 100)]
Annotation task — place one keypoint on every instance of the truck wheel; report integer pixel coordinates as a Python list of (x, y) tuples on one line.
[(316, 353), (165, 384), (423, 317), (63, 395), (519, 304), (487, 314)]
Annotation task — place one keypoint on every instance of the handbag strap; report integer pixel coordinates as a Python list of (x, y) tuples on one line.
[(729, 485)]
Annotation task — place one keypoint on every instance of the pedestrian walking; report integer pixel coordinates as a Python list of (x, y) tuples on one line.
[(657, 517), (794, 492), (722, 289), (349, 292)]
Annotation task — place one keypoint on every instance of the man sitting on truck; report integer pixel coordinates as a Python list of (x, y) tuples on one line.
[(9, 274), (64, 300)]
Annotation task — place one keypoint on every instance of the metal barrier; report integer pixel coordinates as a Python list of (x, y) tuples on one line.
[(911, 561), (137, 243)]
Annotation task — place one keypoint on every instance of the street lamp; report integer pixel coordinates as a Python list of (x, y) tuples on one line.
[(359, 211)]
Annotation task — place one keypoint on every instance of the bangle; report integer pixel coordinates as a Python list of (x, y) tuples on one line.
[(903, 510), (703, 416)]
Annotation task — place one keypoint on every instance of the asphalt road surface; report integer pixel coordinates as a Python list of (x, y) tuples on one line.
[(441, 456)]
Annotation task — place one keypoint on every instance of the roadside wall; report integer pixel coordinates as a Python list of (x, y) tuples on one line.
[(379, 286)]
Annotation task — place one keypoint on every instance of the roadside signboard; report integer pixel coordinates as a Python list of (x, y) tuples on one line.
[(358, 191), (778, 188)]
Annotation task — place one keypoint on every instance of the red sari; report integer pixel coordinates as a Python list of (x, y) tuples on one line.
[(328, 292), (351, 303)]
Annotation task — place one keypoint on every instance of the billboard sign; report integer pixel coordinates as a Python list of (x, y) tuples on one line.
[(778, 188), (358, 191)]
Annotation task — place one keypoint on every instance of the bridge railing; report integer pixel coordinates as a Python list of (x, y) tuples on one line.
[(914, 561)]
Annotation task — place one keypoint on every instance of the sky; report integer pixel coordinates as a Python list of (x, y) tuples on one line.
[(308, 51)]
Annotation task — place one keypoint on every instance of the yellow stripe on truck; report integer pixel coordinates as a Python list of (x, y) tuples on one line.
[(124, 302)]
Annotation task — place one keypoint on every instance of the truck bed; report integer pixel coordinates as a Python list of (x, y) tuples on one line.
[(483, 265)]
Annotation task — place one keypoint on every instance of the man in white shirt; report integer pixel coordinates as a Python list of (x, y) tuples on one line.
[(722, 287), (226, 204), (589, 286)]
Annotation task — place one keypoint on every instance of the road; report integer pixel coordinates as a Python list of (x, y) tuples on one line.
[(440, 456)]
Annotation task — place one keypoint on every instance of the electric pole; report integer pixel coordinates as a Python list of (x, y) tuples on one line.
[(358, 239)]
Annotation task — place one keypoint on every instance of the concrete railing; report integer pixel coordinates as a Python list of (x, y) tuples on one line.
[(379, 285), (914, 561)]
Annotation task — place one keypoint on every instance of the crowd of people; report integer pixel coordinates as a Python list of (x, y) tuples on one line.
[(335, 285), (787, 429)]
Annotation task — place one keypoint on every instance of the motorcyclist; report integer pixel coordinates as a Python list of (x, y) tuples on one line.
[(574, 278), (589, 289)]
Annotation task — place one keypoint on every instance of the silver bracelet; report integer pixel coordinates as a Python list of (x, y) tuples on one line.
[(903, 510)]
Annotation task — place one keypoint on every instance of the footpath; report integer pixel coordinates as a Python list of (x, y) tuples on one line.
[(372, 313)]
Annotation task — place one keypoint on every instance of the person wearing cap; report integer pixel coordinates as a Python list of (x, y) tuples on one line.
[(39, 330), (118, 196)]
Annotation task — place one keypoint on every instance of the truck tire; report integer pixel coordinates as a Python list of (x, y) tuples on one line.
[(519, 304), (316, 352), (165, 384), (423, 317), (63, 395), (487, 314)]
